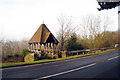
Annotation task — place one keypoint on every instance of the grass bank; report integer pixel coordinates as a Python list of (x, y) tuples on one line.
[(5, 65)]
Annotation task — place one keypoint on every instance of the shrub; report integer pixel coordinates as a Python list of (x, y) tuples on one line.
[(46, 56), (25, 52), (59, 55), (9, 56), (17, 55), (29, 57), (37, 56), (55, 56)]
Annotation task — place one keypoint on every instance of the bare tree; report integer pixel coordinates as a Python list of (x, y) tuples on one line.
[(94, 29), (1, 45), (2, 38), (13, 47), (65, 31), (91, 27)]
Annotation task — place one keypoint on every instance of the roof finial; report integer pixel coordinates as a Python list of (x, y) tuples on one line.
[(43, 22)]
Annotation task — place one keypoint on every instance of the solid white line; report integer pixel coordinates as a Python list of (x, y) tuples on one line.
[(66, 71), (113, 58)]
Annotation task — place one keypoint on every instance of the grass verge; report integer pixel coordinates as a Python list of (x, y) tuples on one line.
[(5, 65)]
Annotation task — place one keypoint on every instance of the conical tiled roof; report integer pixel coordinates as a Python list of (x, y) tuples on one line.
[(43, 35)]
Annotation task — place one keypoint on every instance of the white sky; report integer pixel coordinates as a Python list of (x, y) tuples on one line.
[(19, 19)]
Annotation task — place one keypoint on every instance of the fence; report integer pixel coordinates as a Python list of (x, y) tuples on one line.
[(88, 50)]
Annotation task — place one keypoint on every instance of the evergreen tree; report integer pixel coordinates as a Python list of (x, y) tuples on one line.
[(72, 43)]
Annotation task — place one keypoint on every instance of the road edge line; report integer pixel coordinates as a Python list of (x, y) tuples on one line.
[(113, 58), (66, 71)]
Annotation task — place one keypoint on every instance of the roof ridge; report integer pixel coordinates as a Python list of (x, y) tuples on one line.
[(41, 33)]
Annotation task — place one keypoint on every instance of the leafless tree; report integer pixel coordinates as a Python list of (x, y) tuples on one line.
[(1, 45), (94, 31), (14, 47), (2, 38), (65, 30), (91, 27)]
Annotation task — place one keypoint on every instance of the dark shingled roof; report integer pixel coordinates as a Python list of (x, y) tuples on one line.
[(43, 35)]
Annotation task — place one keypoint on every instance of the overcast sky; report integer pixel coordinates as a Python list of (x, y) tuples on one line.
[(19, 19)]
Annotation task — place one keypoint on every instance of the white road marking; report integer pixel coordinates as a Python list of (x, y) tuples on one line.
[(66, 71), (113, 58)]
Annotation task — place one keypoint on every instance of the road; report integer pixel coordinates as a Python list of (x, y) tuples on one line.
[(96, 66)]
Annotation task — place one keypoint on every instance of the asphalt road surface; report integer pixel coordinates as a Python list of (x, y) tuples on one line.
[(104, 65)]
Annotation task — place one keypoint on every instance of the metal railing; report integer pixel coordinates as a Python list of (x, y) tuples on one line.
[(88, 50)]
